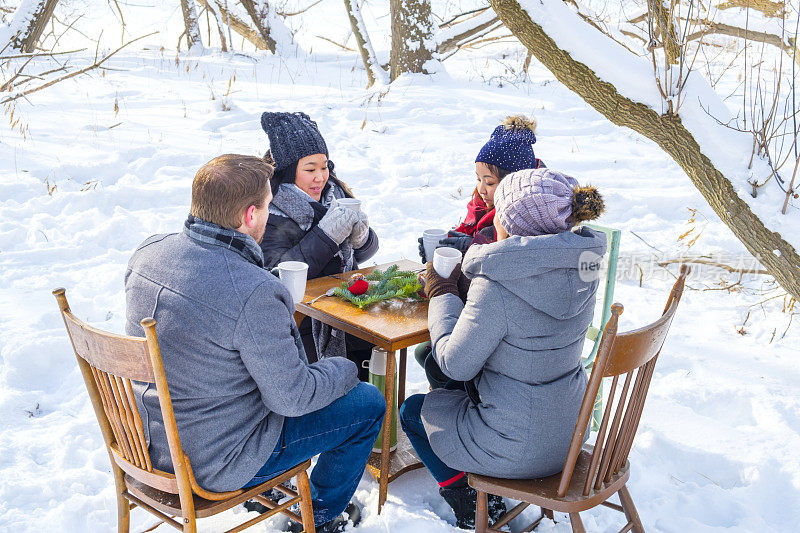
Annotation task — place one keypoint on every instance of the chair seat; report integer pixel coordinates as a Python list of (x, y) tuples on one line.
[(169, 503), (544, 491)]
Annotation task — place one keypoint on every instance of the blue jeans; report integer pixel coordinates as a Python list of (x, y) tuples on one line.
[(411, 422), (343, 434)]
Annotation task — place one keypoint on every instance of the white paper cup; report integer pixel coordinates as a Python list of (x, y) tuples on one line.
[(430, 240), (349, 203), (293, 274), (445, 260)]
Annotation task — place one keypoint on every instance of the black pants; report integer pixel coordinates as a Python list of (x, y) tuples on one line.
[(358, 350), (437, 379), (424, 356)]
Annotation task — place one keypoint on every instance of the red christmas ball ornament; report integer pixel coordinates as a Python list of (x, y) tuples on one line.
[(358, 284)]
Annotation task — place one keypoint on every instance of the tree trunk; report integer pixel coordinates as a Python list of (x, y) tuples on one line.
[(28, 24), (374, 70), (221, 24), (240, 27), (777, 255), (412, 36), (259, 13), (190, 22), (663, 22)]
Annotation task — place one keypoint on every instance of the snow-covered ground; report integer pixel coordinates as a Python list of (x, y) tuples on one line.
[(717, 447)]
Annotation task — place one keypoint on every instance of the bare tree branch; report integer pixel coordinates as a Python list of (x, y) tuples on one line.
[(711, 27), (94, 65)]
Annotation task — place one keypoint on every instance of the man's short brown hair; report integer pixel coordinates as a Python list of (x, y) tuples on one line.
[(227, 185)]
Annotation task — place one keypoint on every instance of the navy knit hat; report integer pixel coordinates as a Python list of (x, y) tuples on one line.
[(511, 145), (292, 136)]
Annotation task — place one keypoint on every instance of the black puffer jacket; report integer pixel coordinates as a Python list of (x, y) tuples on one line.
[(293, 234)]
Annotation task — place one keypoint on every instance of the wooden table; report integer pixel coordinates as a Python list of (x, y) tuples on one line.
[(393, 325)]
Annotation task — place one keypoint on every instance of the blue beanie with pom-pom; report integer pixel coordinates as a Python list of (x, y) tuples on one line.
[(511, 145)]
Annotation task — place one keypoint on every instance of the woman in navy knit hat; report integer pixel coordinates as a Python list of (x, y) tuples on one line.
[(306, 224), (509, 149)]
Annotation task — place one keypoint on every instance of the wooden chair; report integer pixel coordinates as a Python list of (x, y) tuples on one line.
[(592, 474), (108, 363)]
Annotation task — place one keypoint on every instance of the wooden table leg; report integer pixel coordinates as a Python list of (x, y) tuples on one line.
[(401, 386), (383, 482)]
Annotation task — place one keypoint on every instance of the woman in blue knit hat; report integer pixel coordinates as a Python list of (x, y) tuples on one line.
[(306, 223), (509, 149)]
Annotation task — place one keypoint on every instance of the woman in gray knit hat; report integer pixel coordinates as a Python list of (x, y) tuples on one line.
[(306, 224), (512, 346)]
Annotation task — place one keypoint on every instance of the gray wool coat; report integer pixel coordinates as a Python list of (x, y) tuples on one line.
[(232, 354), (520, 335)]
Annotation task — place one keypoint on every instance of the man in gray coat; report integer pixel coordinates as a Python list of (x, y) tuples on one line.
[(247, 403)]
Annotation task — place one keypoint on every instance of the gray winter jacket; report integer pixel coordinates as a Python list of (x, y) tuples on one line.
[(520, 335), (232, 355)]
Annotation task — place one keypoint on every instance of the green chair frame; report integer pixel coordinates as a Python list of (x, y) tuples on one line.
[(595, 333)]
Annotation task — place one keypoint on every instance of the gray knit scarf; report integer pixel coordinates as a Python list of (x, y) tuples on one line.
[(290, 202)]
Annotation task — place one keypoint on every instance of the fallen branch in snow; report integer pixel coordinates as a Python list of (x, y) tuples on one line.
[(94, 65), (259, 11), (767, 7), (240, 27), (729, 268), (710, 27)]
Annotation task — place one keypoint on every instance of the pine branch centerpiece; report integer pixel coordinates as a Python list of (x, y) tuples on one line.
[(389, 284)]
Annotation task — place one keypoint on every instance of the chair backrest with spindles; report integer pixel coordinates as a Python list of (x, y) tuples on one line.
[(629, 358), (109, 362)]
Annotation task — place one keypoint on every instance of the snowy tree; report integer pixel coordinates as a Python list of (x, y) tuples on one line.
[(413, 44), (677, 110), (375, 72), (190, 21), (26, 26)]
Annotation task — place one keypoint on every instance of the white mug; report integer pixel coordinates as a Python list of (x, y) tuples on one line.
[(349, 203), (293, 274), (430, 240), (445, 260)]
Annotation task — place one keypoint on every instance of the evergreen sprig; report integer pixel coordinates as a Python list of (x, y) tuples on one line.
[(391, 283)]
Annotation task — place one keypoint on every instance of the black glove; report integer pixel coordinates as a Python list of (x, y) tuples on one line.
[(422, 251), (456, 239)]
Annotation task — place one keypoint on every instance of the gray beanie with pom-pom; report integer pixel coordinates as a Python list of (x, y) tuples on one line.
[(535, 202)]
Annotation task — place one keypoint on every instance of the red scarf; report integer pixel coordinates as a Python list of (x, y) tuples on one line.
[(479, 216)]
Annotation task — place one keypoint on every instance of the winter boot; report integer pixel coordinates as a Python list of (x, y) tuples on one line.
[(352, 513), (463, 501)]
